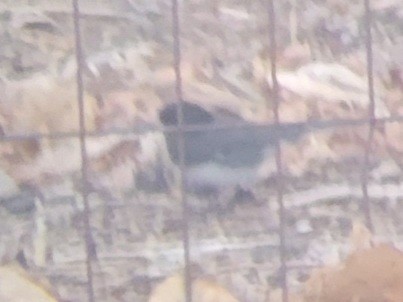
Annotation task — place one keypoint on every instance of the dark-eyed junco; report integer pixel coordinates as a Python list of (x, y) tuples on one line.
[(224, 156)]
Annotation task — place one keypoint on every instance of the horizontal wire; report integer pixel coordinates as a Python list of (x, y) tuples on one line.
[(139, 130)]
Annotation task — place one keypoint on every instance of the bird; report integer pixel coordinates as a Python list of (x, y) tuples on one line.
[(225, 156)]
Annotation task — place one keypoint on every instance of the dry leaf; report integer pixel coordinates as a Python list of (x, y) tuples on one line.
[(17, 286), (370, 275), (42, 104), (360, 237), (331, 83)]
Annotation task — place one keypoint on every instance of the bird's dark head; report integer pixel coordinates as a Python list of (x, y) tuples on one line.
[(192, 114), (196, 148)]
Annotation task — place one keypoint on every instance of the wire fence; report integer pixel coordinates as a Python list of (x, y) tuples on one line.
[(371, 120)]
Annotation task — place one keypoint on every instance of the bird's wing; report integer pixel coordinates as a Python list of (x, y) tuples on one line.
[(247, 146), (238, 147)]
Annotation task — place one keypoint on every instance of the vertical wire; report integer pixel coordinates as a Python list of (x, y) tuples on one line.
[(366, 203), (181, 147), (278, 155), (89, 244)]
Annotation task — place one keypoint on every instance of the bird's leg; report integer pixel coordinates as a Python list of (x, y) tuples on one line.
[(217, 209)]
